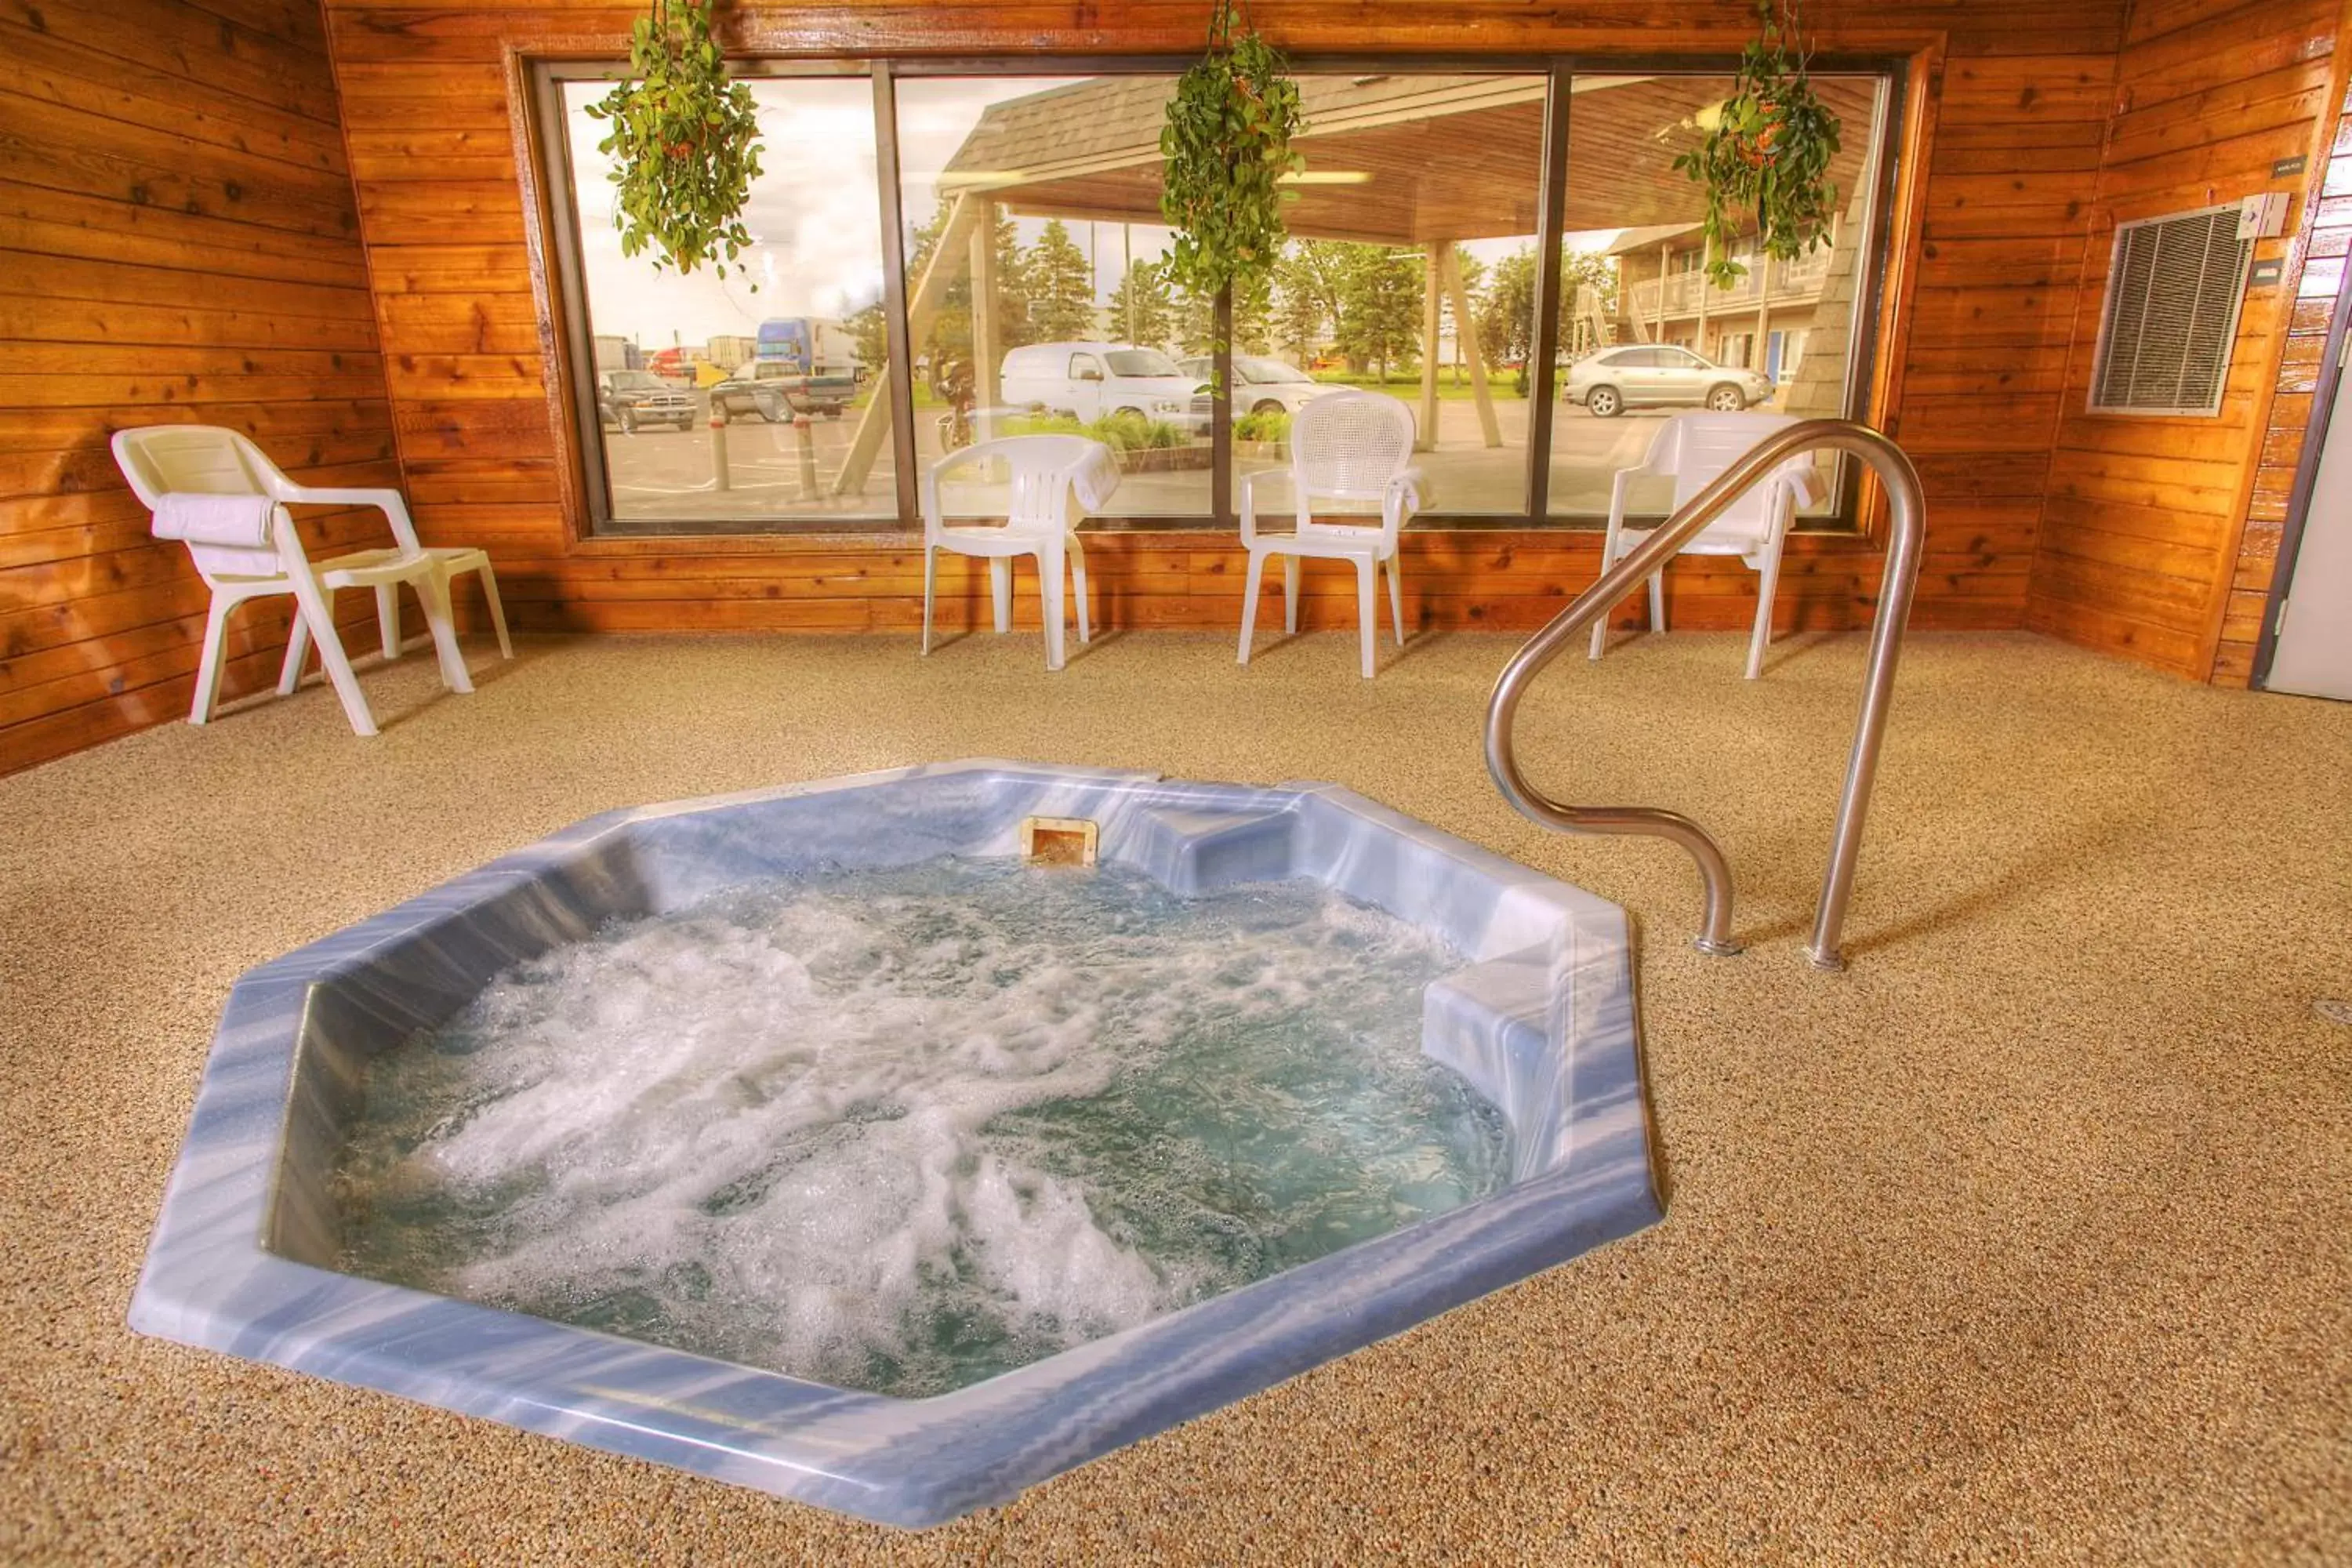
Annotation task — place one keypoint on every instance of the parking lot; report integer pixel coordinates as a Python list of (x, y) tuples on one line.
[(785, 474)]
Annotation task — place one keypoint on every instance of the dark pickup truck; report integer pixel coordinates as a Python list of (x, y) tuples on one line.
[(631, 399), (775, 390)]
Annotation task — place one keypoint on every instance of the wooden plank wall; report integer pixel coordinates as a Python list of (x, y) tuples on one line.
[(2315, 275), (2016, 120), (178, 240), (2140, 541)]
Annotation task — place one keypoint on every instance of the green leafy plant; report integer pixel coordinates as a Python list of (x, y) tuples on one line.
[(1766, 150), (1040, 425), (684, 143), (1123, 431), (1128, 431), (1271, 426), (1226, 145)]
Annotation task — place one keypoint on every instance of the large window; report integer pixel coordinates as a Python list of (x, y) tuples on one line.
[(1025, 276), (736, 403), (1033, 299), (1409, 270), (1645, 334)]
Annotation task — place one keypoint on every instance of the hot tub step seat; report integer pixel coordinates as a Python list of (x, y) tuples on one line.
[(1498, 1024), (1191, 850)]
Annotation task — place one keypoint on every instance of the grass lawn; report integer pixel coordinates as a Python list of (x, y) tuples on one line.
[(1409, 386)]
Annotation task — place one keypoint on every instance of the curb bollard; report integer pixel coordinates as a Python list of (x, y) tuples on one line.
[(720, 477), (804, 436)]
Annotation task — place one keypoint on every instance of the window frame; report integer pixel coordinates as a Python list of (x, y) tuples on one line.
[(544, 77)]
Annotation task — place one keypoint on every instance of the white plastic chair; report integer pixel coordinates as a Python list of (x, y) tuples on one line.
[(1695, 450), (1348, 446), (1047, 473), (163, 460)]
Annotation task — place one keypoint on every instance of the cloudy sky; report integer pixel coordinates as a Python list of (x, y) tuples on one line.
[(815, 212)]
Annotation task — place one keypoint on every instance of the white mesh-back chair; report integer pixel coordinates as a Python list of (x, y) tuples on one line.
[(218, 493), (1695, 450), (1349, 447), (1046, 473)]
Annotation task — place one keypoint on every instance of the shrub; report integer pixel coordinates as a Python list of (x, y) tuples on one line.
[(1271, 426), (1040, 425), (1128, 431)]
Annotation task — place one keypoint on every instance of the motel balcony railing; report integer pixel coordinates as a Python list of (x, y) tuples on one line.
[(1796, 282)]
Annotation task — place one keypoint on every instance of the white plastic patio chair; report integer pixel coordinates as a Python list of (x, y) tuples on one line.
[(253, 552), (1693, 450), (1047, 472), (1347, 446)]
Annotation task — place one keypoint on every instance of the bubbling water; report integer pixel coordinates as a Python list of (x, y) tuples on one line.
[(904, 1130)]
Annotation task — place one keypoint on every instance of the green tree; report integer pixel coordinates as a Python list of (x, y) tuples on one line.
[(1140, 309), (872, 333), (1380, 309), (1252, 321), (949, 336), (1195, 323), (1195, 326), (1297, 327), (1061, 287), (1506, 320)]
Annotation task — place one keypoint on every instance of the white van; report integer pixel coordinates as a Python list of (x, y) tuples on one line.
[(1087, 381)]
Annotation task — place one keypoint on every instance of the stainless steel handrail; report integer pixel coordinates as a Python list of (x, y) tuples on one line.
[(1902, 481)]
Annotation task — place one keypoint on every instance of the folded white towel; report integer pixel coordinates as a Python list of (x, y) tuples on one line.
[(1095, 477), (240, 522), (1412, 486)]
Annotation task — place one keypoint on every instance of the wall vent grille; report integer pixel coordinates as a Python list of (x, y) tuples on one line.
[(2173, 292)]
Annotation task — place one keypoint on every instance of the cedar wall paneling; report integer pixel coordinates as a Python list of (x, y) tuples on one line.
[(1974, 369), (178, 241), (2140, 552), (2315, 274)]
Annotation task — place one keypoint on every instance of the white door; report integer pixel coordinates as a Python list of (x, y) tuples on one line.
[(2314, 652)]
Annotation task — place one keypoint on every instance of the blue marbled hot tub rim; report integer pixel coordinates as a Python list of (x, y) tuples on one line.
[(1541, 1020)]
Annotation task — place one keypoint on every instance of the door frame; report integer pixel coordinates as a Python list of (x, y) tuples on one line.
[(2306, 477)]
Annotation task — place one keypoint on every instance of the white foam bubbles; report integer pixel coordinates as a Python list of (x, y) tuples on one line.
[(901, 1129)]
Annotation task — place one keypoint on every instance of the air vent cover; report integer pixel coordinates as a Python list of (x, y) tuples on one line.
[(2173, 292)]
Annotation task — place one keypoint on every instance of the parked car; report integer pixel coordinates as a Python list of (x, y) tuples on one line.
[(777, 389), (1263, 385), (1089, 380), (1660, 376), (630, 398)]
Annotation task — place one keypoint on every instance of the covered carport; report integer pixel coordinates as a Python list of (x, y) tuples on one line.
[(1420, 161)]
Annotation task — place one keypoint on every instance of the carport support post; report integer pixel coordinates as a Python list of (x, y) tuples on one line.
[(986, 387), (874, 422), (1431, 266), (1465, 338)]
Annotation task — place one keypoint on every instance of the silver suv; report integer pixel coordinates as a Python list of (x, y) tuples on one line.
[(1660, 376)]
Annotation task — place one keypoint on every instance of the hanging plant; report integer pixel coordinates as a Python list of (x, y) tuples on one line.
[(685, 144), (1227, 147), (1766, 150)]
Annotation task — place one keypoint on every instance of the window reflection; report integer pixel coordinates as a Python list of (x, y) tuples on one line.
[(1033, 297), (1658, 337), (1031, 249), (730, 402)]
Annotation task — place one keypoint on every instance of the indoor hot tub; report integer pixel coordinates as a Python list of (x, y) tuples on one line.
[(1019, 1111)]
